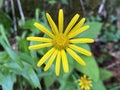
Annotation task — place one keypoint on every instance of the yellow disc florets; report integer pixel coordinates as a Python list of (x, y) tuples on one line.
[(85, 83), (60, 41)]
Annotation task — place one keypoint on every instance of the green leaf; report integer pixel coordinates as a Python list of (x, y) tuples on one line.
[(105, 74), (65, 79), (23, 45), (91, 68), (2, 31), (13, 55), (26, 58), (33, 54), (98, 86), (15, 68), (70, 85), (37, 12), (34, 79), (7, 81), (3, 57), (27, 72), (71, 62), (45, 22), (29, 24), (49, 80), (93, 31), (67, 82), (5, 19)]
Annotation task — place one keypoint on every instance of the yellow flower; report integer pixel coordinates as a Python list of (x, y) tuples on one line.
[(61, 42), (85, 83)]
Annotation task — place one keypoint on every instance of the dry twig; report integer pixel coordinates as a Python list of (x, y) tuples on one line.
[(14, 17), (21, 11), (83, 8)]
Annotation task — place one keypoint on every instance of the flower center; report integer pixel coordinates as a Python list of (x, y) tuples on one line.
[(60, 41), (85, 82)]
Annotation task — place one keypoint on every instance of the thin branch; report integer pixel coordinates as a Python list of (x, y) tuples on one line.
[(14, 18), (6, 2), (14, 46), (83, 8), (21, 11), (112, 65), (102, 6)]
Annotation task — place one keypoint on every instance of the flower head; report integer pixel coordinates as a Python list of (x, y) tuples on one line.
[(85, 83), (61, 42)]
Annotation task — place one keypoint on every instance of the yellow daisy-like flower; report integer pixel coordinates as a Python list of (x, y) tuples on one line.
[(85, 83), (61, 42)]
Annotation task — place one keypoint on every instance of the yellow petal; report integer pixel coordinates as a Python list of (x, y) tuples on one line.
[(84, 76), (45, 57), (82, 40), (39, 46), (81, 83), (52, 24), (80, 23), (52, 58), (82, 87), (75, 56), (71, 24), (64, 61), (60, 20), (87, 88), (39, 39), (57, 67), (80, 50), (43, 29), (91, 85), (82, 29)]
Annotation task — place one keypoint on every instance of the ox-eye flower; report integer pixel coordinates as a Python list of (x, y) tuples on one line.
[(85, 83), (61, 42)]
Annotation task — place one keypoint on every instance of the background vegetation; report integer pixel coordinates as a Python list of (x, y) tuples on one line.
[(18, 70)]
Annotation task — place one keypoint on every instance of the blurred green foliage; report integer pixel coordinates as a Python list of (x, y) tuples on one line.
[(18, 68)]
